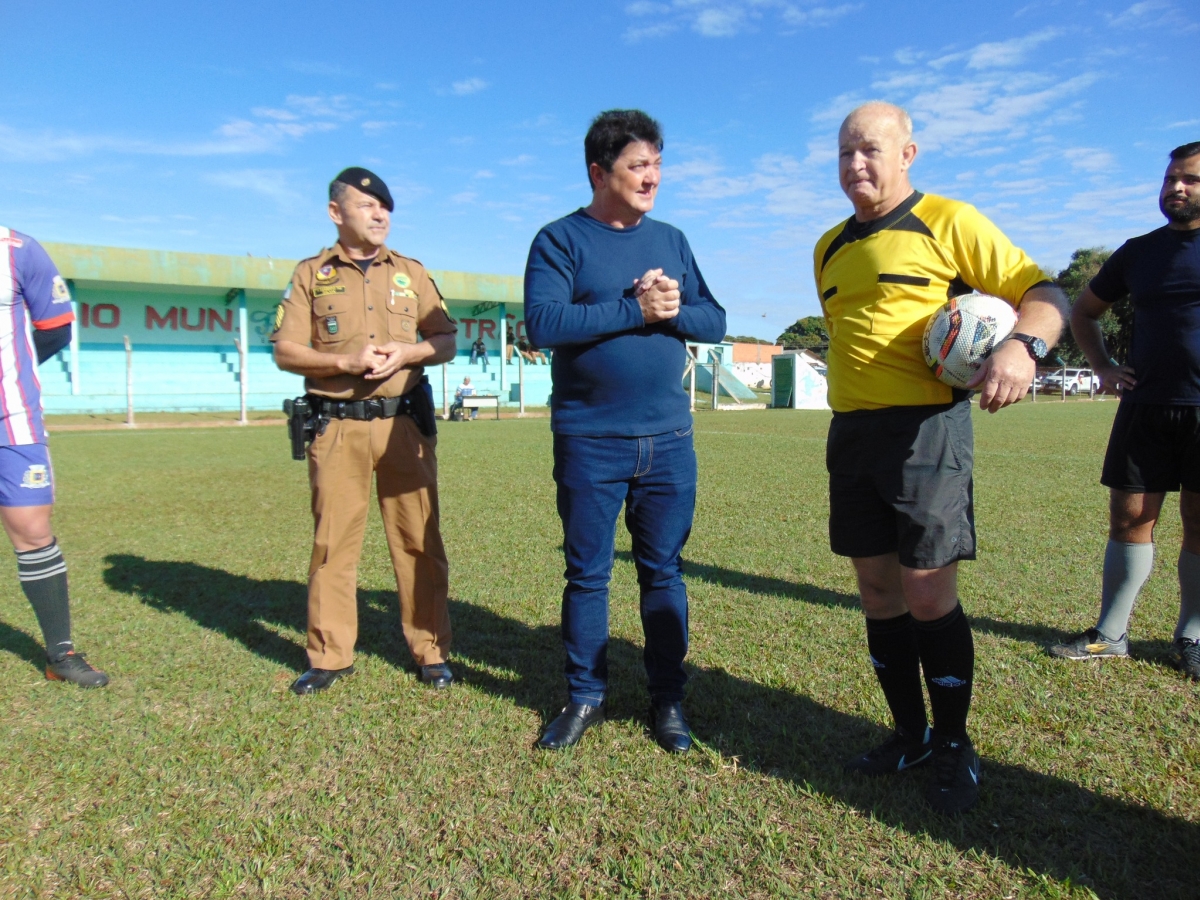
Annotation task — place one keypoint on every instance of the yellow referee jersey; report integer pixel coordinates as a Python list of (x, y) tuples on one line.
[(880, 281)]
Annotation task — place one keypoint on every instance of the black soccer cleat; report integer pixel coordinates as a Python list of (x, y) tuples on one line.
[(897, 753), (74, 668), (956, 773), (1185, 656)]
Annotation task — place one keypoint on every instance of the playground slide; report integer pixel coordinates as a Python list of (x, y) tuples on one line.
[(731, 385)]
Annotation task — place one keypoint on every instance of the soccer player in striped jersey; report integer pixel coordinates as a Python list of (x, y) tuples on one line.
[(35, 323)]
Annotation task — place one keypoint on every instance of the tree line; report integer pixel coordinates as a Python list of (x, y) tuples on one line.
[(808, 333)]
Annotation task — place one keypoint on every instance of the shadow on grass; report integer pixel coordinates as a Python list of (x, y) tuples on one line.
[(1032, 821), (18, 643), (809, 593), (243, 608)]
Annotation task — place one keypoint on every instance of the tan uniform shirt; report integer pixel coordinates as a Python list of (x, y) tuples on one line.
[(334, 307)]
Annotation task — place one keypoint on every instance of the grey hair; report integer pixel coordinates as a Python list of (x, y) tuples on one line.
[(337, 190), (898, 113)]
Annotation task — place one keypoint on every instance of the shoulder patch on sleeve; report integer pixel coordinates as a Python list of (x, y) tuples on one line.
[(280, 312), (59, 291), (441, 299)]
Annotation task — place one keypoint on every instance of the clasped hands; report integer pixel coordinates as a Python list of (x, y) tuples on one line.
[(658, 296), (378, 363)]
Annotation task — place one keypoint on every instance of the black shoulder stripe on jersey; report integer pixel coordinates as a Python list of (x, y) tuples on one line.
[(829, 293), (900, 219), (958, 287), (910, 222), (835, 245), (915, 280)]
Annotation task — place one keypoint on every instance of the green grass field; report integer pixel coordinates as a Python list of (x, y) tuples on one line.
[(197, 774)]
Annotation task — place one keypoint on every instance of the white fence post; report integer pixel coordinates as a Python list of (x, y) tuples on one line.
[(445, 395), (74, 342), (243, 348), (128, 382), (520, 383)]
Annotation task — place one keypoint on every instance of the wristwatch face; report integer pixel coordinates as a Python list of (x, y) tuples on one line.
[(1037, 347)]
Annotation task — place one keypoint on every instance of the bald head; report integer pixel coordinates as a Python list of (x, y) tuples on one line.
[(886, 115), (875, 151)]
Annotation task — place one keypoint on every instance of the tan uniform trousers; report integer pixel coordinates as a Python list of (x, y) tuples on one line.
[(340, 464)]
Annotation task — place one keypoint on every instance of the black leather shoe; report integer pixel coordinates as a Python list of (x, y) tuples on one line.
[(671, 729), (438, 676), (315, 680), (566, 730)]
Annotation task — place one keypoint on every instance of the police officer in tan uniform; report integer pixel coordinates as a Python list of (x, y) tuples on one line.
[(359, 322)]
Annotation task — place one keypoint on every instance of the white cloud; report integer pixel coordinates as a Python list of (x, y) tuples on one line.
[(269, 130), (727, 18), (270, 183), (1089, 159), (1152, 14), (468, 86), (523, 160), (374, 127)]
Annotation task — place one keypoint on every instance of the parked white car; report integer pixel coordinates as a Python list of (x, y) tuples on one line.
[(1078, 381)]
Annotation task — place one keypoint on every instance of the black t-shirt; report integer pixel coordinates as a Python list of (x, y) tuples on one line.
[(1160, 272)]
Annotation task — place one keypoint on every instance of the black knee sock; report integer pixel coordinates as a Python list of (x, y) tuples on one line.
[(43, 575), (893, 646), (948, 658)]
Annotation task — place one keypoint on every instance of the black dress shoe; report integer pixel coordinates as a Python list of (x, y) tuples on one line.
[(671, 729), (438, 676), (319, 679), (566, 730)]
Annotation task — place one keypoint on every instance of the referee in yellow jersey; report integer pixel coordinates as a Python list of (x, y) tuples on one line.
[(900, 447)]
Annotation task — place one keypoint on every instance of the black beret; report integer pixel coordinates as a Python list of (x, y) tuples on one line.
[(367, 182)]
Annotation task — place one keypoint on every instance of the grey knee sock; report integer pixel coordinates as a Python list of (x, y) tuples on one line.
[(1189, 597), (1126, 568)]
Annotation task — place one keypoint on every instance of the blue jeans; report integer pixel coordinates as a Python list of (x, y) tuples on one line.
[(655, 479)]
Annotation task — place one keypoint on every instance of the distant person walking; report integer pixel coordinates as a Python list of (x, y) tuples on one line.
[(616, 294), (360, 322), (1155, 443), (900, 449), (32, 293)]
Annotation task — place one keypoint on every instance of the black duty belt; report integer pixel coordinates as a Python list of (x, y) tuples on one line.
[(364, 410)]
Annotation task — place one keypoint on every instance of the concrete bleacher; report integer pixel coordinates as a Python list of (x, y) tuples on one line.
[(172, 378)]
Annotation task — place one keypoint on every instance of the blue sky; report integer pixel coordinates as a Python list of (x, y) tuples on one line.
[(216, 127)]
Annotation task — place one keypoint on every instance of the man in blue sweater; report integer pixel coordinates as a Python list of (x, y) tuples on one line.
[(616, 294)]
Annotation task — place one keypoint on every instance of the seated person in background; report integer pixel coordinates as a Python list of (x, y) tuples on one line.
[(536, 355), (524, 349), (466, 389), (509, 342), (478, 351)]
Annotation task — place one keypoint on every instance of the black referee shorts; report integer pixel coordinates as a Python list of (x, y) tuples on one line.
[(1153, 449), (900, 482)]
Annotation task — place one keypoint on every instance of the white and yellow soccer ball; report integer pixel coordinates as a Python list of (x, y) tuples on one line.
[(961, 335)]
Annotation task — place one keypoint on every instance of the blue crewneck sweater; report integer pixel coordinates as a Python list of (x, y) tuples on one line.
[(614, 375)]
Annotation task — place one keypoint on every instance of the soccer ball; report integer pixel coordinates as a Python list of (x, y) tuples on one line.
[(961, 335)]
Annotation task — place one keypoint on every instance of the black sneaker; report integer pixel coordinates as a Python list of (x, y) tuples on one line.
[(1091, 644), (956, 774), (897, 753), (74, 668), (1185, 654)]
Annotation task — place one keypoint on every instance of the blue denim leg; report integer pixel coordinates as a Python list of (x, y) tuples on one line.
[(655, 479), (658, 514), (592, 475)]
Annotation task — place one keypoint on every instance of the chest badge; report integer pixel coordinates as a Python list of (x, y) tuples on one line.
[(331, 324), (326, 274), (401, 280)]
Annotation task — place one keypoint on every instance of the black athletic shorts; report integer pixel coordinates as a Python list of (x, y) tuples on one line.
[(900, 482), (1153, 449)]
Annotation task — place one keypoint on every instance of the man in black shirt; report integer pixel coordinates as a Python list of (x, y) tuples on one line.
[(1155, 442)]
